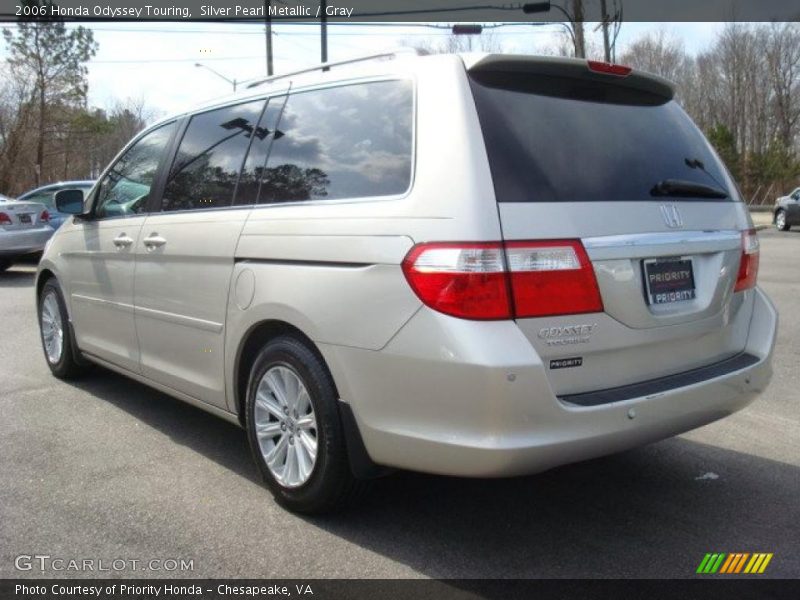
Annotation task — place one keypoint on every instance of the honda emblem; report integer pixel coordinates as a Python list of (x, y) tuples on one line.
[(672, 218)]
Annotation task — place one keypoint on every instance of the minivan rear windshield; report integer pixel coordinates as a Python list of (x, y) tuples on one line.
[(564, 140)]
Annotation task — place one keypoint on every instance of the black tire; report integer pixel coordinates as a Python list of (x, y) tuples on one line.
[(331, 484), (786, 225), (5, 264), (69, 365)]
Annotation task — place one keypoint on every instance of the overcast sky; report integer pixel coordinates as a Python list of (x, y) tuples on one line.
[(155, 61)]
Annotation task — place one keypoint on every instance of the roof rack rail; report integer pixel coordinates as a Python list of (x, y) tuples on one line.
[(324, 66)]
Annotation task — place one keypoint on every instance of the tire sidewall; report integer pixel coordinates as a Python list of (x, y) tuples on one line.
[(331, 453)]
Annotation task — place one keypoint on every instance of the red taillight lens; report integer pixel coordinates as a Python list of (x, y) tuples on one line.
[(608, 68), (463, 280), (45, 216), (552, 278), (4, 219), (496, 281), (748, 265)]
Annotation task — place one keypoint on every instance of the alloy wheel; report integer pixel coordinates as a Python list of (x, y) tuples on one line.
[(286, 426)]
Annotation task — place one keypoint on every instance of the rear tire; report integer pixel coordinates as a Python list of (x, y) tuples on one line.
[(780, 221), (60, 350), (295, 431)]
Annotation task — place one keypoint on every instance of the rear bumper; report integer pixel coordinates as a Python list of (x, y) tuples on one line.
[(430, 402), (26, 241)]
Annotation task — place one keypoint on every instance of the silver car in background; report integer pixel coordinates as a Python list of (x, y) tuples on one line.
[(24, 230), (46, 195), (479, 265)]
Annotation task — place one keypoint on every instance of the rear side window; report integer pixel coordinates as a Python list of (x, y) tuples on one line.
[(210, 156), (558, 140), (352, 141)]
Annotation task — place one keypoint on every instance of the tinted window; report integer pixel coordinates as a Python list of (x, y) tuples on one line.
[(125, 190), (209, 158), (345, 142), (253, 170), (561, 140)]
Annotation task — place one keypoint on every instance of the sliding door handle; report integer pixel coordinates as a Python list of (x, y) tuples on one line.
[(154, 241)]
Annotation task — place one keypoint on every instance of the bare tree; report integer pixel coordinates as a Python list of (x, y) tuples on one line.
[(452, 43), (783, 62), (658, 53)]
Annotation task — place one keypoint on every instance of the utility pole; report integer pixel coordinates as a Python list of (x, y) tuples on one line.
[(268, 25), (323, 7), (577, 28), (605, 23)]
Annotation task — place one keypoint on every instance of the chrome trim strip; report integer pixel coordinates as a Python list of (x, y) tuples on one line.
[(155, 314), (101, 302), (661, 238), (180, 319)]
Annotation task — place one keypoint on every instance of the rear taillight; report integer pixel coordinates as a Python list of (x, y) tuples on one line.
[(44, 217), (4, 219), (552, 278), (496, 281), (748, 265), (463, 280), (608, 68)]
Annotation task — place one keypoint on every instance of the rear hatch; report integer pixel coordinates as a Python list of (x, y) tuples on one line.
[(582, 151), (21, 215)]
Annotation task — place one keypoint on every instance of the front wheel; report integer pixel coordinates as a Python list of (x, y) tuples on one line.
[(780, 221), (294, 429), (57, 341)]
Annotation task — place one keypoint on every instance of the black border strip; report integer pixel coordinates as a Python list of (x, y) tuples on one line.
[(661, 384)]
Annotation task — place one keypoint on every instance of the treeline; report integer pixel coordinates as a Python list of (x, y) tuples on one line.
[(47, 130), (744, 92)]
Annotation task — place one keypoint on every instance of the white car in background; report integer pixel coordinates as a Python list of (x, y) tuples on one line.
[(24, 230)]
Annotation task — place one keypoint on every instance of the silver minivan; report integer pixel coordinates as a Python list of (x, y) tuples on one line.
[(478, 265)]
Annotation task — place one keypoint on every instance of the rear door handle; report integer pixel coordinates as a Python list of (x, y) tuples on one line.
[(123, 241), (154, 241)]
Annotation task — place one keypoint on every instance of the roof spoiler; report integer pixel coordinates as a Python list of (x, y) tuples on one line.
[(573, 68)]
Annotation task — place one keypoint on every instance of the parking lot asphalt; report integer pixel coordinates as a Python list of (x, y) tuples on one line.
[(106, 468)]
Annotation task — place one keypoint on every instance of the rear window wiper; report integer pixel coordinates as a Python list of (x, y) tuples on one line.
[(686, 189)]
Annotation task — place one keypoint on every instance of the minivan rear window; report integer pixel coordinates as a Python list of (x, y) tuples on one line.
[(558, 140)]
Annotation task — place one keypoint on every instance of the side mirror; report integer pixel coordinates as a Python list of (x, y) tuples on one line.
[(69, 201)]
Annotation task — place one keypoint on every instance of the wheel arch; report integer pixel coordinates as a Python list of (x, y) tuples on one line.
[(259, 334), (256, 336), (41, 278)]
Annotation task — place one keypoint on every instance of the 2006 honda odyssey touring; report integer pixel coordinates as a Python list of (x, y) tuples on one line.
[(481, 265)]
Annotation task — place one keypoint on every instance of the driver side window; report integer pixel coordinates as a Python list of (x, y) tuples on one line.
[(125, 190)]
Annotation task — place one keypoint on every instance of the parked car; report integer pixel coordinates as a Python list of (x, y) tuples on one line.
[(465, 265), (45, 195), (787, 211), (24, 230)]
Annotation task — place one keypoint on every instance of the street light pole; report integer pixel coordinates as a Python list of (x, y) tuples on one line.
[(323, 9), (218, 74), (268, 25)]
